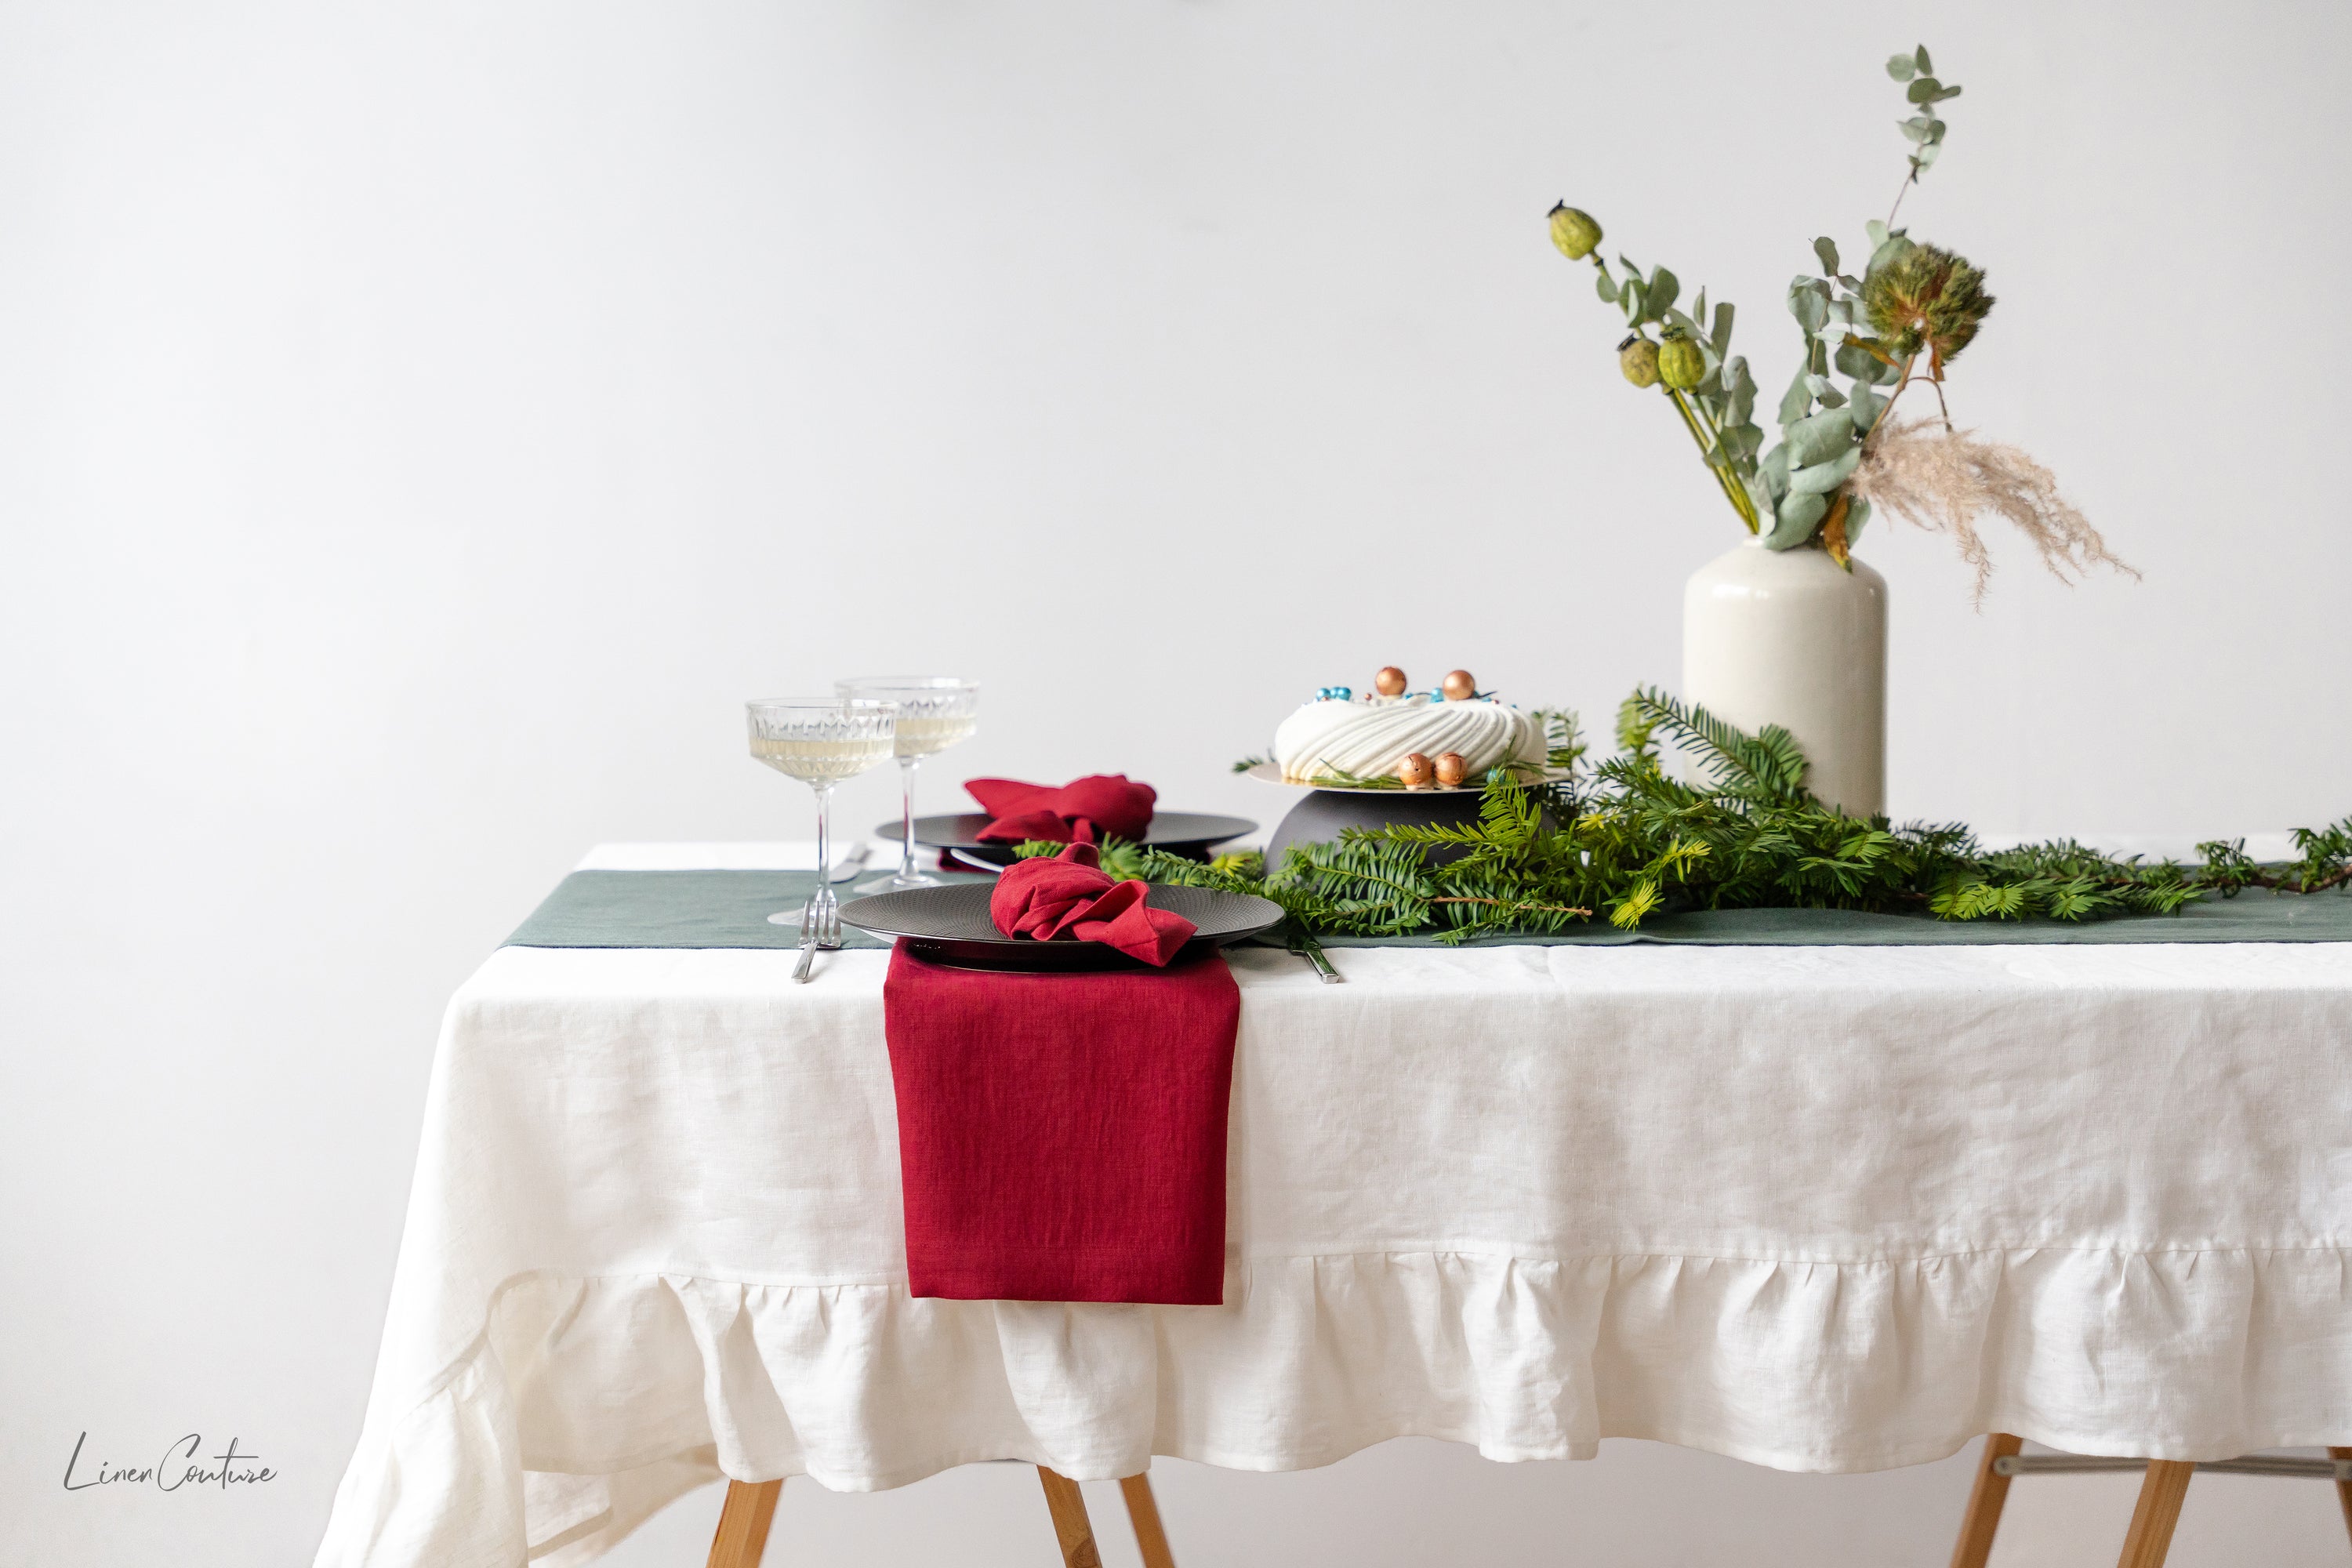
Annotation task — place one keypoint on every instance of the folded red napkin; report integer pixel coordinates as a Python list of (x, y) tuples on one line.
[(1107, 804), (1072, 896), (1062, 1137)]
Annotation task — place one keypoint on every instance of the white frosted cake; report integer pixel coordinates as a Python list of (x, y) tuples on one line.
[(1368, 736)]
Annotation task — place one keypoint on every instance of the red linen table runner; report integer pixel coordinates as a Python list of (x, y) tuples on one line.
[(1062, 1137)]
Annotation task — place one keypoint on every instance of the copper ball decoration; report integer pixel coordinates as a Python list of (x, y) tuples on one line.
[(1459, 687), (1452, 769), (1390, 682), (1415, 770)]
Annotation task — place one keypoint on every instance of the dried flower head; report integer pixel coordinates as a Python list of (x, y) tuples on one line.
[(1943, 480), (1925, 298)]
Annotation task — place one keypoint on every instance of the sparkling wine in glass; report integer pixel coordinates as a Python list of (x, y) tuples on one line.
[(935, 711), (820, 742)]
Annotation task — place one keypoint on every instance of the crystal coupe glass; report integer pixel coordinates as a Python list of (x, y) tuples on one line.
[(935, 711), (820, 742)]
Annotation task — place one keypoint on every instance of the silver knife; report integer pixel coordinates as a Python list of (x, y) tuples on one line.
[(1307, 948)]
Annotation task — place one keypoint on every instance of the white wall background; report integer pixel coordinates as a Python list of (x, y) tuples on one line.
[(420, 427)]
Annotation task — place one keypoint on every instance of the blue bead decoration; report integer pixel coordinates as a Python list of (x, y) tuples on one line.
[(1334, 693)]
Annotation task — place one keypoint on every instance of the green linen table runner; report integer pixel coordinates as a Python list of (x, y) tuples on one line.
[(730, 909)]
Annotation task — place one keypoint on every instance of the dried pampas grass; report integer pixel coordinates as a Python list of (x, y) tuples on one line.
[(1943, 480)]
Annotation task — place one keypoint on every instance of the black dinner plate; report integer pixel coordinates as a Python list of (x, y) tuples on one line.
[(950, 925), (1186, 833)]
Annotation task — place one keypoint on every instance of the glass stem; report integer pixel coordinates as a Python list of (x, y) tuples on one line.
[(824, 841), (906, 818)]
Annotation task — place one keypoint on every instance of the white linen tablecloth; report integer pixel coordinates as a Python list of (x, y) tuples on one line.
[(1819, 1208)]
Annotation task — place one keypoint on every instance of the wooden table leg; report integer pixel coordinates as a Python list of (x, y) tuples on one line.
[(2158, 1510), (1152, 1537), (1983, 1515), (1070, 1527), (2344, 1488), (744, 1523)]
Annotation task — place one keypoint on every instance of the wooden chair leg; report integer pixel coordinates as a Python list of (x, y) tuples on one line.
[(743, 1522), (1151, 1536), (2344, 1488), (1070, 1527), (2158, 1510), (1983, 1515)]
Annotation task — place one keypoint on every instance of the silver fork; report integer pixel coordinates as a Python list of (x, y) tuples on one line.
[(820, 928)]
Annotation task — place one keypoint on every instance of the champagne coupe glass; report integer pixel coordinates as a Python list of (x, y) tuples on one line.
[(820, 742), (935, 711)]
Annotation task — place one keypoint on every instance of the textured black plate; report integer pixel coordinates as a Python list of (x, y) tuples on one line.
[(950, 925), (1186, 833)]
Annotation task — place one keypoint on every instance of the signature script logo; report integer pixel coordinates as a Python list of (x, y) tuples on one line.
[(183, 1465)]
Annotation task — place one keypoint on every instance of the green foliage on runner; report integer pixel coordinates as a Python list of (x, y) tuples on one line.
[(1624, 841)]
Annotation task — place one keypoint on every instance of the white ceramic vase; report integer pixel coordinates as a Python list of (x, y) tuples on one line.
[(1788, 637)]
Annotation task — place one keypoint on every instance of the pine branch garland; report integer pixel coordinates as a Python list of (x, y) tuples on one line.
[(1623, 841)]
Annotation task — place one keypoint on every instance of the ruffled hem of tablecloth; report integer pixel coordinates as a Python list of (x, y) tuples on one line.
[(587, 1404)]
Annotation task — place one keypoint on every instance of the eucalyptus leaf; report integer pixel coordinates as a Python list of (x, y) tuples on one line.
[(1818, 438), (1821, 479), (1675, 318), (1809, 309), (1631, 298), (1739, 406), (1895, 244), (1866, 406), (1797, 399), (1923, 90), (1826, 249), (1926, 156), (1794, 520), (1876, 231), (1721, 337), (1759, 494), (1919, 58), (1774, 468), (1857, 512), (1952, 92), (1699, 313), (1741, 439), (1663, 286), (1902, 67), (1606, 284), (1853, 359), (1916, 128)]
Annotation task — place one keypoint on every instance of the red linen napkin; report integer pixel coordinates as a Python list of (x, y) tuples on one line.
[(1100, 803), (1062, 1137), (1071, 895)]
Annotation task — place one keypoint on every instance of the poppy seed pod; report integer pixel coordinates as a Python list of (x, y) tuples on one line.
[(1680, 364), (1574, 232), (1638, 358)]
